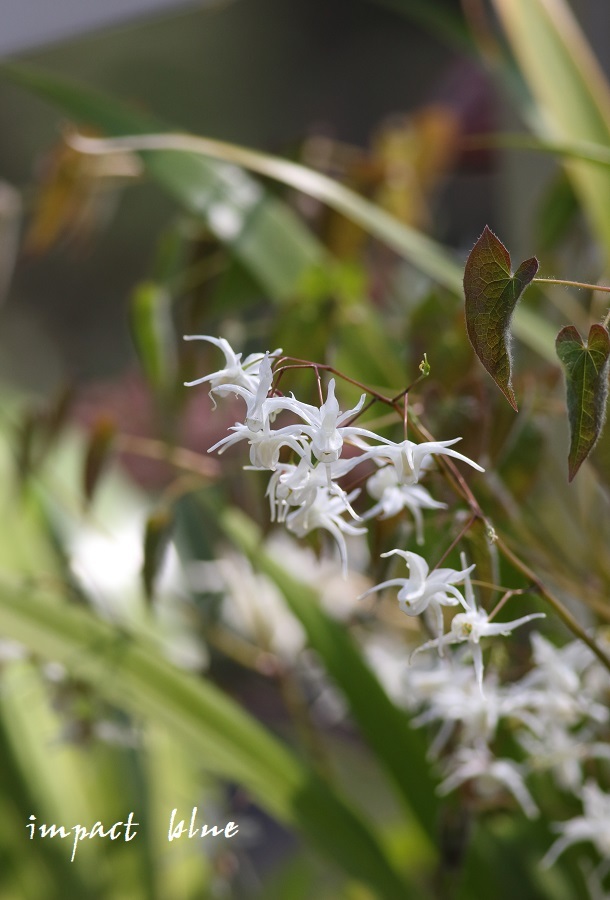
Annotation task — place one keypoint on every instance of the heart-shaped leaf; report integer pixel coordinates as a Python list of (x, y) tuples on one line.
[(492, 292), (586, 371)]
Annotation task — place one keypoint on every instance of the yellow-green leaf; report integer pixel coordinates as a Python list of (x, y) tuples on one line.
[(571, 91)]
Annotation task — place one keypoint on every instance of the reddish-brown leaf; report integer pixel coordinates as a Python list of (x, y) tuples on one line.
[(492, 292)]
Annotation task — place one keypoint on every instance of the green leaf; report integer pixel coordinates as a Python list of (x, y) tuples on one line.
[(129, 671), (154, 335), (99, 449), (46, 776), (492, 292), (157, 534), (586, 371)]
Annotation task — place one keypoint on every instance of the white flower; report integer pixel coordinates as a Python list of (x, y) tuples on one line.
[(560, 683), (386, 654), (265, 445), (325, 511), (292, 485), (393, 497), (252, 606), (409, 458), (558, 668), (563, 752), (324, 425), (479, 765), (458, 700), (423, 589), (258, 405), (593, 825), (471, 626), (11, 650), (337, 594), (235, 371)]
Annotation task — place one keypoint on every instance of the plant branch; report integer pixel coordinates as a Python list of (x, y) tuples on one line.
[(577, 284), (179, 457)]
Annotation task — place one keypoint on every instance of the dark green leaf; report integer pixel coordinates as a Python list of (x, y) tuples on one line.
[(586, 371), (97, 455), (38, 429), (156, 538), (492, 292)]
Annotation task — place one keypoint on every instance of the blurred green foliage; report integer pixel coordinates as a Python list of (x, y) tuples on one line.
[(123, 687)]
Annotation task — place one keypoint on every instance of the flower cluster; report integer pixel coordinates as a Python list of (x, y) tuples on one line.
[(557, 713), (428, 592), (304, 493)]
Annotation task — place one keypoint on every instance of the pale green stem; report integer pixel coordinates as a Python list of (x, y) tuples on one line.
[(576, 284)]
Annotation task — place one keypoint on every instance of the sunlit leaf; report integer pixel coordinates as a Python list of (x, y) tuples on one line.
[(130, 672), (586, 371), (43, 871), (492, 292), (57, 774)]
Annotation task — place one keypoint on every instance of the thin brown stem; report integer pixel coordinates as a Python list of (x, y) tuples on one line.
[(179, 457), (511, 592), (456, 540)]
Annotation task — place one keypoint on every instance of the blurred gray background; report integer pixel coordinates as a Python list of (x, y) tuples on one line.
[(264, 73)]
